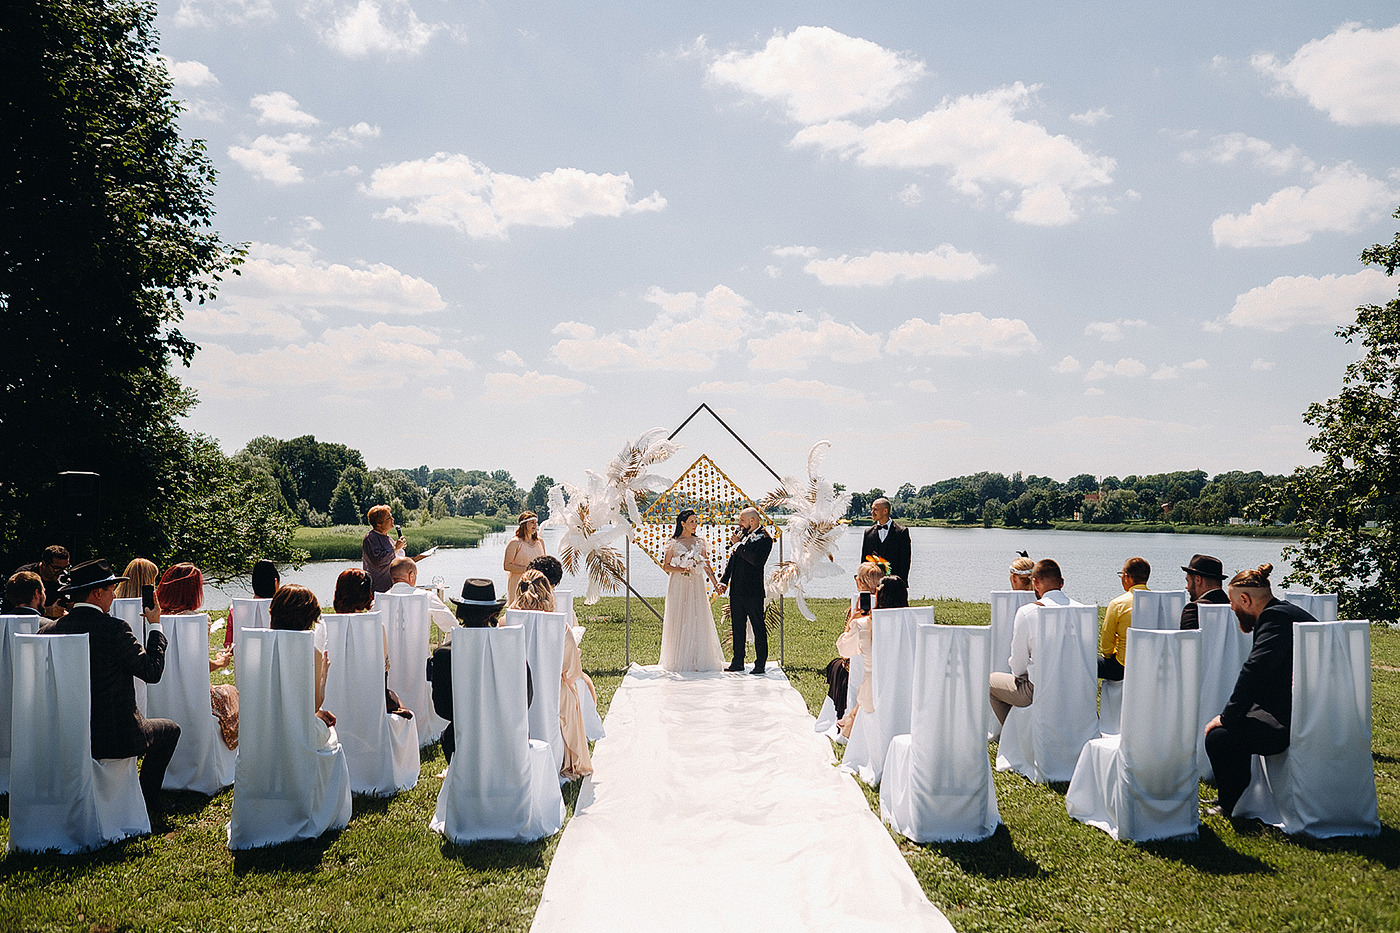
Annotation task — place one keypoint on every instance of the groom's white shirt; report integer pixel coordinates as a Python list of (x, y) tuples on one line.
[(442, 617), (1022, 643)]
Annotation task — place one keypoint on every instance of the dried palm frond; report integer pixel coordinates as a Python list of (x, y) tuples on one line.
[(772, 620), (781, 579), (815, 526)]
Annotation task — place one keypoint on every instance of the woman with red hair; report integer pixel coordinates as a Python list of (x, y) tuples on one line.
[(180, 592)]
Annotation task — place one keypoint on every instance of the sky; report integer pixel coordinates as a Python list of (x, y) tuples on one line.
[(1049, 238)]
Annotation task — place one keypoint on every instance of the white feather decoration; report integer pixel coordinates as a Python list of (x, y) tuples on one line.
[(816, 524)]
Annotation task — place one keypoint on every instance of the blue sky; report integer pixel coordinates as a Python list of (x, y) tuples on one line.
[(1054, 240)]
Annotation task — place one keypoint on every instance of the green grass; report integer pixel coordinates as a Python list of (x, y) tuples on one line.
[(1041, 872), (342, 542)]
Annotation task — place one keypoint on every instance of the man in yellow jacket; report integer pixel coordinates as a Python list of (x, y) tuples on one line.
[(1113, 640)]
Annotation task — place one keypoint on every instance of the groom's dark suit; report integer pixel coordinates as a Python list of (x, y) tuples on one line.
[(743, 575), (895, 548)]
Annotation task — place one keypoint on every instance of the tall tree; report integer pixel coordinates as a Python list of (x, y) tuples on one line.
[(105, 233), (1357, 481)]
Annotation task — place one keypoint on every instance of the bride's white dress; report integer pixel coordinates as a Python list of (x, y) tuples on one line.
[(689, 641)]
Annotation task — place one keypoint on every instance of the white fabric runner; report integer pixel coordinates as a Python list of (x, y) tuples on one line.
[(714, 806)]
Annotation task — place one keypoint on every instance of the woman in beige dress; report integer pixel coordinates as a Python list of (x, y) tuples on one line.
[(535, 593), (520, 550), (857, 640)]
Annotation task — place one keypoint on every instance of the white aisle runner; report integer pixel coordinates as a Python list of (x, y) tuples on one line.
[(714, 806)]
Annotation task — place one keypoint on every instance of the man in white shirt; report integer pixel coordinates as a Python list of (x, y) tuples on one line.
[(1015, 688), (404, 574)]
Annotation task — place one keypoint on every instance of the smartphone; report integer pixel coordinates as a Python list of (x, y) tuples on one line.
[(148, 596), (864, 602)]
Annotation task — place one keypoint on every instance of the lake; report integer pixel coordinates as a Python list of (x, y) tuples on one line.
[(959, 563)]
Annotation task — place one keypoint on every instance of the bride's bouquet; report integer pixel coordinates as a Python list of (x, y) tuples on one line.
[(685, 562)]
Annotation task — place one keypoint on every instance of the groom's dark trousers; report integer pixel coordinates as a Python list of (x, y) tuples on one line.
[(743, 574)]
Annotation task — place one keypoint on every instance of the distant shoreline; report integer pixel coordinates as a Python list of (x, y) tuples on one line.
[(1150, 528)]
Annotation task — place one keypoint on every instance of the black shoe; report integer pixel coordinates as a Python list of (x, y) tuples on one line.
[(736, 668), (757, 669)]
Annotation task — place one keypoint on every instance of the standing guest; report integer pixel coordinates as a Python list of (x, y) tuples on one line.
[(50, 567), (1204, 577), (404, 572), (1021, 569), (535, 593), (888, 539), (24, 595), (265, 582), (296, 609), (354, 592), (1118, 618), (179, 592), (743, 574), (139, 572), (115, 657), (1257, 717), (478, 608), (521, 549), (1015, 688), (378, 550)]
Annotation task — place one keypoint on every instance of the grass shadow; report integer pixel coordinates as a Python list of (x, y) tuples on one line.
[(361, 804), (1207, 854), (5, 806), (1388, 759), (56, 866), (994, 857), (303, 855), (494, 855), (1383, 849)]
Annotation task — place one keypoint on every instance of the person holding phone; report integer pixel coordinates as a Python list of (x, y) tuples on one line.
[(856, 640)]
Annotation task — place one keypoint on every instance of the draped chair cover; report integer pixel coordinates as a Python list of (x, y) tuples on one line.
[(1321, 606), (1324, 784), (892, 686), (60, 798), (202, 762), (247, 613), (1042, 741), (129, 611), (1223, 651), (408, 624), (1005, 604), (937, 782), (544, 650), (592, 722), (9, 625), (292, 781), (1143, 784), (1158, 610), (381, 750), (501, 784), (1110, 706)]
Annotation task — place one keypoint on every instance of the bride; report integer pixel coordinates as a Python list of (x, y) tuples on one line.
[(689, 641)]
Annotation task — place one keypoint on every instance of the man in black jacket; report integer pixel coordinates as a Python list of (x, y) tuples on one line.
[(888, 539), (1204, 577), (743, 580), (115, 656)]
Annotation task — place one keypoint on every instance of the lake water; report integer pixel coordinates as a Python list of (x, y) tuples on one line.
[(961, 563)]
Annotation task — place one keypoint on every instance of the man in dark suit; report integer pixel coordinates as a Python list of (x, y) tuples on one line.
[(1204, 576), (24, 595), (115, 656), (888, 539), (743, 580), (1257, 718)]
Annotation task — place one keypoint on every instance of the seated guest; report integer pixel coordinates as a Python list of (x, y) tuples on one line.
[(858, 638), (139, 572), (296, 609), (551, 568), (404, 572), (50, 567), (1021, 569), (265, 581), (1204, 576), (478, 608), (1015, 688), (181, 592), (354, 592), (24, 595), (1257, 717), (534, 592), (1118, 617), (115, 657)]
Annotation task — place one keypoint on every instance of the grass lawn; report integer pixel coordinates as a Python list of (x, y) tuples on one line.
[(1041, 872), (342, 542)]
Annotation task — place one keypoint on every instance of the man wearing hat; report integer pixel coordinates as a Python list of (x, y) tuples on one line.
[(115, 656), (1204, 575)]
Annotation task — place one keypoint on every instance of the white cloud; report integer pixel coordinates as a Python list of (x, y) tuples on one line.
[(773, 271), (1127, 367), (1352, 75), (1091, 117), (355, 31), (1341, 200), (962, 335), (1067, 365), (200, 109), (279, 107), (510, 358), (911, 194), (1261, 365), (1166, 372), (307, 224), (921, 385), (1291, 300), (802, 340), (944, 263), (818, 74), (812, 390), (1230, 147), (270, 157), (1196, 364), (353, 135), (514, 388), (455, 191), (190, 74), (803, 252), (720, 388), (985, 147), (688, 333), (1112, 331), (1114, 430), (204, 14)]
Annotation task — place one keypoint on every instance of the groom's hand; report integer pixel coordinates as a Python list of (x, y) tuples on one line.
[(719, 590)]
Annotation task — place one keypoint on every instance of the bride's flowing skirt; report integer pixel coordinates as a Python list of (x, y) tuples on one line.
[(689, 641)]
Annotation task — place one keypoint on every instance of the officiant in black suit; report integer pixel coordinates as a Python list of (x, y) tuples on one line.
[(743, 580), (888, 539)]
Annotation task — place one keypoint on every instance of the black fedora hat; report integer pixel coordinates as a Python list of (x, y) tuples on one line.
[(478, 599), (1203, 565), (87, 576)]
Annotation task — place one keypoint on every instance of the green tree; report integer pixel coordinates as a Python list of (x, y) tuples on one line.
[(344, 506), (1358, 478), (316, 467), (538, 499), (105, 234)]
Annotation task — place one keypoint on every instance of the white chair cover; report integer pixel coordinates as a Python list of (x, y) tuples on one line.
[(857, 754), (1325, 783), (202, 762), (129, 611), (381, 750), (937, 784), (501, 783), (893, 633), (1321, 606), (1042, 741), (1223, 651), (1110, 706), (1158, 610), (1143, 784), (60, 798), (1005, 603), (544, 649), (247, 613), (564, 602), (9, 625), (292, 781), (408, 624)]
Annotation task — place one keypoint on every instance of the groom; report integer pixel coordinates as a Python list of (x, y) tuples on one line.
[(743, 577)]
